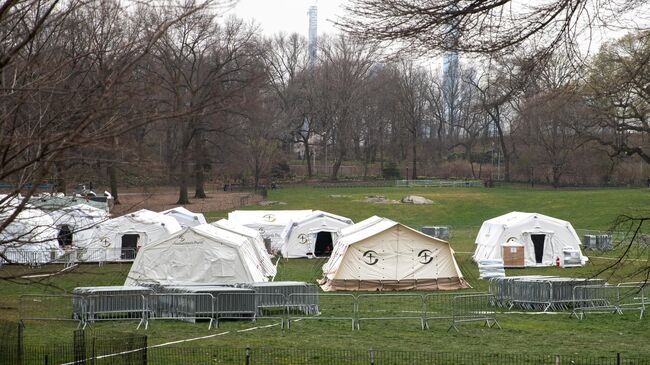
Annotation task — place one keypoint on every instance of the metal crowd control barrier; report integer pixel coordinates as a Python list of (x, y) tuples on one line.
[(235, 306), (270, 306), (188, 307), (48, 308), (541, 293), (32, 258), (336, 307), (609, 299), (473, 308), (438, 306), (632, 296), (390, 307), (102, 255), (112, 307)]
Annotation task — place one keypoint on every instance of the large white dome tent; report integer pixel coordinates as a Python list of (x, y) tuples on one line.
[(256, 242), (381, 254), (78, 220), (313, 234), (270, 223), (119, 238), (544, 239), (203, 254), (30, 238), (185, 217)]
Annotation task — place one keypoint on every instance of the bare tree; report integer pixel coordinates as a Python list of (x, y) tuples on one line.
[(341, 78), (412, 87), (488, 26), (618, 90), (67, 77)]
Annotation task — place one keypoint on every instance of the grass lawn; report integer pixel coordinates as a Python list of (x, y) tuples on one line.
[(463, 210)]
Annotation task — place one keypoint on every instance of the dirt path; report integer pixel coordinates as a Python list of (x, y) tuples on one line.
[(162, 200)]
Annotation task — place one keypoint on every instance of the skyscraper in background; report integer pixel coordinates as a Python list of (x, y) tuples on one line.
[(313, 34)]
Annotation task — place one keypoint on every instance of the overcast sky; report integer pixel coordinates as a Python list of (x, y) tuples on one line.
[(289, 16)]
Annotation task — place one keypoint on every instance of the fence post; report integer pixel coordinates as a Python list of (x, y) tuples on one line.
[(145, 348), (557, 359), (618, 358), (372, 356), (20, 343), (248, 355)]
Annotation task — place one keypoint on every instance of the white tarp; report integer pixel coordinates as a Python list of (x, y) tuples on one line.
[(30, 237), (262, 257), (144, 225), (203, 254), (300, 236), (184, 217), (80, 219), (544, 238), (381, 254), (270, 223)]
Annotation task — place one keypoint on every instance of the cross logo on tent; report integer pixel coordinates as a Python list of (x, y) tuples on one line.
[(269, 217), (426, 256), (303, 239), (371, 257)]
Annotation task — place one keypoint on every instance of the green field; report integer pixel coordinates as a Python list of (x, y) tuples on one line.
[(463, 210)]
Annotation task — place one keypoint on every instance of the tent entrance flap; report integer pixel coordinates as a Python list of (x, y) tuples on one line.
[(65, 236), (538, 244), (129, 246), (324, 244)]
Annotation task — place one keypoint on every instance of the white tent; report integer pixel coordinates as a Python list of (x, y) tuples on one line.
[(262, 258), (203, 254), (313, 234), (381, 254), (270, 223), (121, 237), (544, 238), (80, 220), (30, 237), (185, 217)]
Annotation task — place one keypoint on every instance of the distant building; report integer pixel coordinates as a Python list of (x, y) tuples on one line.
[(313, 34)]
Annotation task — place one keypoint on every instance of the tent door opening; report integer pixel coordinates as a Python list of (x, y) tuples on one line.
[(65, 236), (323, 246), (129, 246), (538, 244)]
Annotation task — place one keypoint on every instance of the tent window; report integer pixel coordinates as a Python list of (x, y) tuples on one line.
[(538, 244), (65, 236), (129, 246), (323, 245)]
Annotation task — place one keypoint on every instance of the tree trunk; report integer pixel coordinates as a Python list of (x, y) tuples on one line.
[(112, 172), (199, 176), (305, 142), (414, 173), (183, 196), (504, 149), (60, 178), (335, 168), (199, 163)]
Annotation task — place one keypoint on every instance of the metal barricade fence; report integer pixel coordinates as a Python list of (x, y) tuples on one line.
[(632, 297), (274, 306), (188, 307), (610, 299), (473, 308), (339, 307), (30, 257), (390, 307), (34, 307), (531, 294), (438, 306), (101, 255), (233, 305), (112, 307)]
